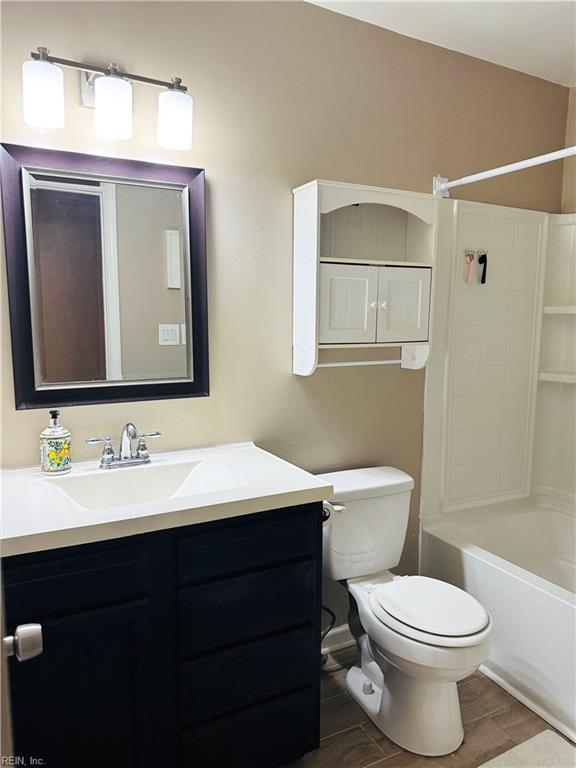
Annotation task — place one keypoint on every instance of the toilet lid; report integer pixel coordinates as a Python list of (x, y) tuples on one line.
[(432, 606)]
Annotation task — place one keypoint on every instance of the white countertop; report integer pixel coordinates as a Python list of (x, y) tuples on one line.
[(37, 515)]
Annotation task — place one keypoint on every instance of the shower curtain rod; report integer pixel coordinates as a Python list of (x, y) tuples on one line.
[(441, 186)]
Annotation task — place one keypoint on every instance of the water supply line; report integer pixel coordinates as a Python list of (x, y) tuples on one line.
[(332, 615), (441, 186)]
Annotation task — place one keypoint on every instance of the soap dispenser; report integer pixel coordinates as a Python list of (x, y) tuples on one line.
[(55, 446)]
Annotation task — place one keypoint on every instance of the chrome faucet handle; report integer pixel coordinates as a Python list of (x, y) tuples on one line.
[(107, 452), (142, 449), (96, 440)]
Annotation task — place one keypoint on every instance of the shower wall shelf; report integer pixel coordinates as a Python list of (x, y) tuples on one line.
[(558, 377), (363, 259), (558, 343), (560, 310)]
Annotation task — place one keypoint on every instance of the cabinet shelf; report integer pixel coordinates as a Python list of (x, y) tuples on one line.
[(568, 309), (558, 377), (375, 262), (375, 345)]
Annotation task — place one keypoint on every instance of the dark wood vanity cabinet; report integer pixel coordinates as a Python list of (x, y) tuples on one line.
[(194, 647)]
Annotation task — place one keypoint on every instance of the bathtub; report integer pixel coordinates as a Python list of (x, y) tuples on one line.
[(518, 559)]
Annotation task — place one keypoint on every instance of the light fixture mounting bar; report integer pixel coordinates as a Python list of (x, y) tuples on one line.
[(441, 186), (44, 55)]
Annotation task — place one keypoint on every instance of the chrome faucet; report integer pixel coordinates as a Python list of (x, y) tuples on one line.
[(129, 433), (126, 457)]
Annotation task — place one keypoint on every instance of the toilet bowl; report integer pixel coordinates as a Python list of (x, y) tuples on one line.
[(414, 697), (417, 636)]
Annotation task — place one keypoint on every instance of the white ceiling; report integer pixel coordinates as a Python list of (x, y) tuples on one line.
[(528, 35)]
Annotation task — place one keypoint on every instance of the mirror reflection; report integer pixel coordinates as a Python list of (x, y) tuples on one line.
[(109, 279)]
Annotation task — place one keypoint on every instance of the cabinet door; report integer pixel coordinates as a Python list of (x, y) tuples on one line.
[(403, 303), (348, 303), (88, 699)]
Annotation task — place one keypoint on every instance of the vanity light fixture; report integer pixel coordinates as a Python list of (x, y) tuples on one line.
[(175, 114), (42, 92), (113, 105), (43, 99)]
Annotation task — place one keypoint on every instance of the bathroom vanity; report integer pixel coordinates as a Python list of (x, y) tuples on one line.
[(193, 643)]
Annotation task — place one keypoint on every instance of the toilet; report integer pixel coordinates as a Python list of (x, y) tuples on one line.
[(417, 636)]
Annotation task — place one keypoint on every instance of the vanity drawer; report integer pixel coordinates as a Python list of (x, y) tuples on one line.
[(242, 676), (237, 609), (264, 736), (71, 579), (249, 542)]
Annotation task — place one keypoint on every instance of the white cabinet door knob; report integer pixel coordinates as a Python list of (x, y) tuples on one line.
[(374, 305), (25, 643), (384, 305)]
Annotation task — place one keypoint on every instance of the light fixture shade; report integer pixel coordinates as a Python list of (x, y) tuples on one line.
[(113, 107), (175, 115), (43, 94)]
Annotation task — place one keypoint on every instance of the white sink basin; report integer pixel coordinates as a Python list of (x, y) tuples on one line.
[(175, 489), (122, 487)]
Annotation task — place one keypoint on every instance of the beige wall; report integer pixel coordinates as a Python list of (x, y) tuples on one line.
[(285, 92), (569, 180)]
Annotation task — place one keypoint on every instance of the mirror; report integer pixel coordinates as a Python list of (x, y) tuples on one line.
[(108, 279), (113, 263)]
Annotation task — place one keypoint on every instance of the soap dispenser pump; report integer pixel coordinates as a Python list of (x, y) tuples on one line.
[(55, 447)]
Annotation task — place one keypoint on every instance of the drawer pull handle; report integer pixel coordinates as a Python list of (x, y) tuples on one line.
[(25, 643)]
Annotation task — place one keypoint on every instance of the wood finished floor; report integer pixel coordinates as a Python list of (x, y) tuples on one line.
[(493, 723)]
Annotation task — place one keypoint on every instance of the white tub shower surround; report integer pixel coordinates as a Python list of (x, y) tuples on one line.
[(492, 350), (482, 528)]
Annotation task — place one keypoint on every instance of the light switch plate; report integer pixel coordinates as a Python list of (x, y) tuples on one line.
[(168, 335), (172, 257)]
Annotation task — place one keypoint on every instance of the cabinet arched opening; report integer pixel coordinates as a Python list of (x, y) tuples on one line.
[(375, 232)]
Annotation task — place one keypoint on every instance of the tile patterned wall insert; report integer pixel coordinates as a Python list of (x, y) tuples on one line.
[(492, 354)]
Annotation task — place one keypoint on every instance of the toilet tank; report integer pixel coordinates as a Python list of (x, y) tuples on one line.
[(366, 529)]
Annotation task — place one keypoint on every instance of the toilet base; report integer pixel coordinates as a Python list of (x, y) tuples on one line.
[(418, 715)]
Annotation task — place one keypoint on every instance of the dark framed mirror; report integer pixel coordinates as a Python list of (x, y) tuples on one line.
[(106, 266)]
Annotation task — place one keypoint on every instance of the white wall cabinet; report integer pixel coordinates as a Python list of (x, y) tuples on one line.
[(362, 304), (363, 260)]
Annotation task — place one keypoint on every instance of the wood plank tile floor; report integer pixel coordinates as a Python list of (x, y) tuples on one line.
[(493, 723)]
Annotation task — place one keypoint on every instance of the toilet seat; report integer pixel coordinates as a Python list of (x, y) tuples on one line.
[(430, 611)]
